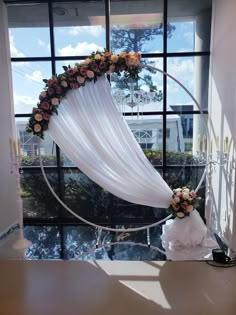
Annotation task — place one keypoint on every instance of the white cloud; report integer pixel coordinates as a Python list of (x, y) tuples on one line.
[(181, 68), (189, 36), (41, 42), (14, 51), (36, 76), (80, 49), (94, 31), (23, 103)]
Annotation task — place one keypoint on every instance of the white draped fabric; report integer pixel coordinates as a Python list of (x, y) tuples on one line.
[(91, 132)]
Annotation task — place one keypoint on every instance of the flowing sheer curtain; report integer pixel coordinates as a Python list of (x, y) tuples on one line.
[(91, 132)]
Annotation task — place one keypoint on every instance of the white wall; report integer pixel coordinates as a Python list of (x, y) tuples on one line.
[(8, 209), (222, 96)]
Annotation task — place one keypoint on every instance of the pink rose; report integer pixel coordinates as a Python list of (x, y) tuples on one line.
[(176, 199), (193, 194), (178, 194), (107, 54), (54, 101), (64, 83), (45, 105), (180, 214), (175, 206), (74, 85), (83, 71), (90, 74), (71, 71), (80, 79), (102, 65), (42, 95), (94, 67), (37, 127), (35, 110), (51, 82), (50, 91), (184, 205), (46, 116), (38, 117)]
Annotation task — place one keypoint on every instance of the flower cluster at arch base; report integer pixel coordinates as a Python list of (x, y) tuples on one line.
[(184, 201)]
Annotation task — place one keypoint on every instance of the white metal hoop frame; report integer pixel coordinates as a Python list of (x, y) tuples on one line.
[(146, 227)]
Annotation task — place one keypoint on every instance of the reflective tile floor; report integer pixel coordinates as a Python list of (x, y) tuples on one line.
[(83, 243), (79, 243)]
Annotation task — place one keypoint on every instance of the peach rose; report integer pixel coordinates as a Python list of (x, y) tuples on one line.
[(37, 127), (190, 208), (80, 79), (185, 195), (54, 101), (90, 74), (97, 57), (64, 83), (87, 61), (114, 58), (38, 117), (43, 94)]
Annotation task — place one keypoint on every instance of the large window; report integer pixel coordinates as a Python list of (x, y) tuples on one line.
[(171, 35)]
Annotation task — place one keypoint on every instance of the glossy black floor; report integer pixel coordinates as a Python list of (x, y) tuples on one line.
[(79, 243)]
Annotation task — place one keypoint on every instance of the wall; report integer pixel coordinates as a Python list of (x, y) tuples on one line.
[(8, 212), (222, 97)]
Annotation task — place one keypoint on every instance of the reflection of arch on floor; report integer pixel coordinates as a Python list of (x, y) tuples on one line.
[(104, 245), (147, 227)]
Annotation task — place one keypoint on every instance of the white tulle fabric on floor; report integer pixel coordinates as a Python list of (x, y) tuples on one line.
[(187, 232), (91, 132)]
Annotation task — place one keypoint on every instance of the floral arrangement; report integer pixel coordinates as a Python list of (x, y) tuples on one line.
[(184, 201), (95, 65)]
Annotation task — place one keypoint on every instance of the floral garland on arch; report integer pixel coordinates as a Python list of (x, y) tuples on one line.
[(184, 201), (95, 65)]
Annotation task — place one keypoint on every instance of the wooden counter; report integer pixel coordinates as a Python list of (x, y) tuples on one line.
[(115, 288)]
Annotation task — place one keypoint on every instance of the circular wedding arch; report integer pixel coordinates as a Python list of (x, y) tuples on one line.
[(146, 227)]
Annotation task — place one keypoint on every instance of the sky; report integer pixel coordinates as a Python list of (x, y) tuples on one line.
[(70, 41)]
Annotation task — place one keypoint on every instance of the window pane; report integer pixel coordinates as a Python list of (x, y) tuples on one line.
[(187, 144), (38, 201), (192, 22), (27, 84), (79, 27), (29, 30), (30, 146), (142, 96), (192, 73), (90, 201), (137, 26), (46, 242)]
